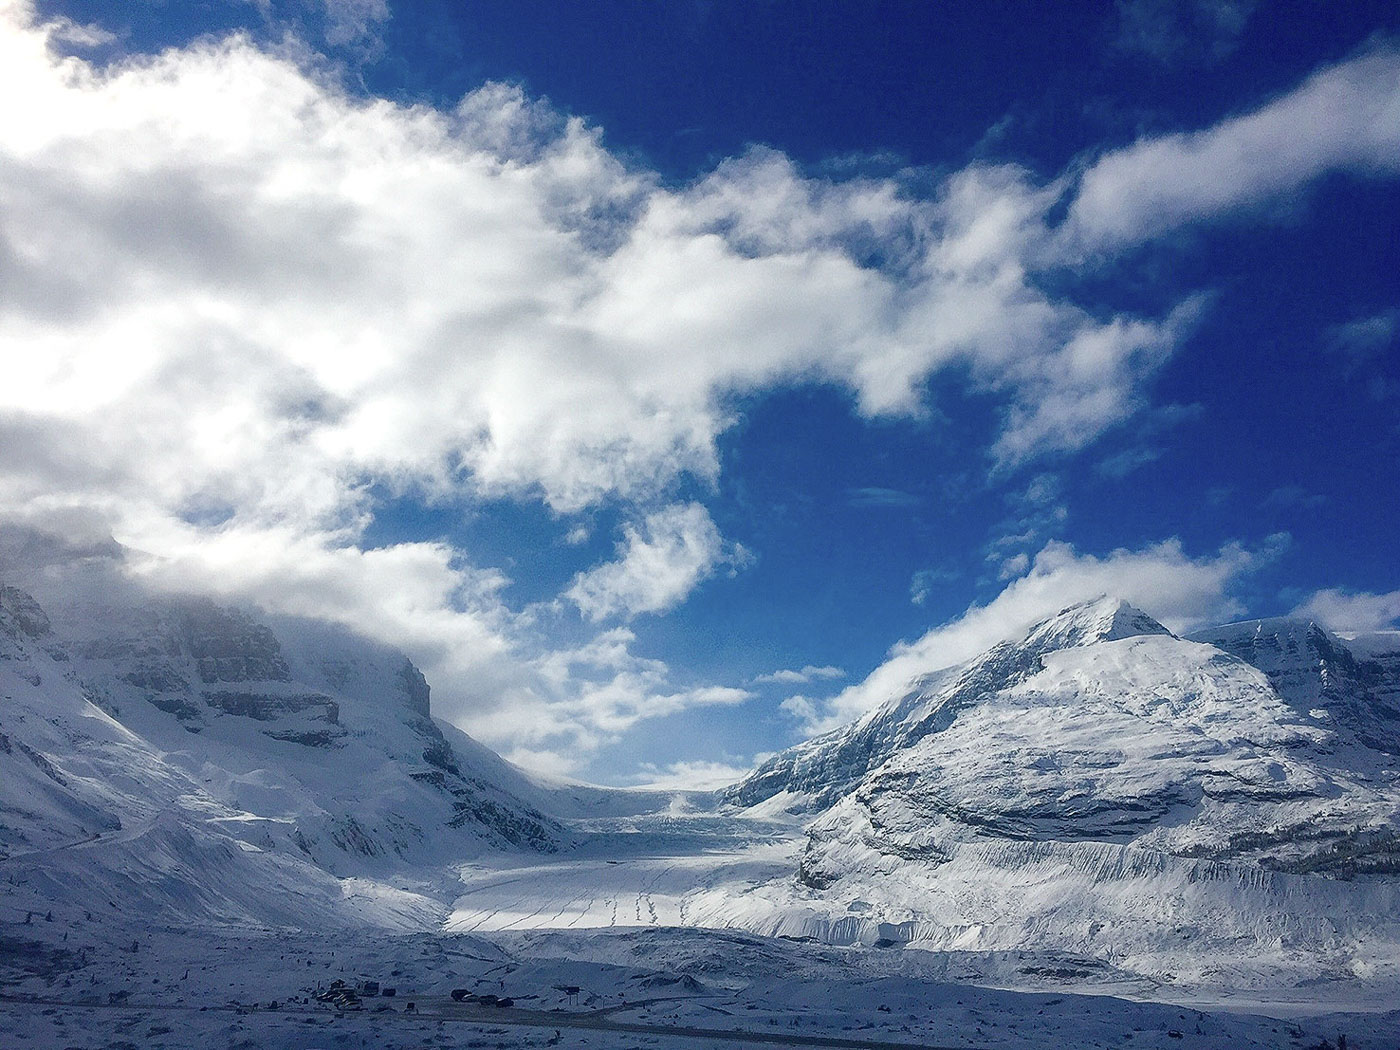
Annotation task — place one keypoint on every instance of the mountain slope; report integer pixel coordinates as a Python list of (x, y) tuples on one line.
[(222, 742), (1354, 688), (816, 773), (1104, 788)]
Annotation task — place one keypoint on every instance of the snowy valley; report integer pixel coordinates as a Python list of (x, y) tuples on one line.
[(1099, 832)]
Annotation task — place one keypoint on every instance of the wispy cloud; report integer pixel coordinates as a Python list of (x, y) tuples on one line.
[(1037, 512), (1122, 463), (879, 497), (807, 674), (923, 582), (1352, 611), (1144, 444), (1342, 118), (1175, 31), (354, 21), (1366, 336), (693, 776), (1361, 345), (1294, 497), (80, 35)]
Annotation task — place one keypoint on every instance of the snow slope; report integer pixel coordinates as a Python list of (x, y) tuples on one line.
[(157, 753), (1105, 789)]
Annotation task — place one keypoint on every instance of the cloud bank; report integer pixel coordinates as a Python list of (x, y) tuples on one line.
[(240, 303)]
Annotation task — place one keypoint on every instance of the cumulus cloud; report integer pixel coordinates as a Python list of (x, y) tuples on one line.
[(1346, 117), (1180, 591), (659, 563), (1352, 612)]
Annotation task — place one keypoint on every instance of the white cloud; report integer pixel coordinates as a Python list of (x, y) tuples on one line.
[(1069, 396), (1352, 611), (1120, 464), (241, 286), (1361, 346), (1346, 117), (354, 21), (810, 673), (659, 563), (1014, 566), (590, 694), (1180, 591), (79, 35), (247, 301), (1365, 337), (923, 582)]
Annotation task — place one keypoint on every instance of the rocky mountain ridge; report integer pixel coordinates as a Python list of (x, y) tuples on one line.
[(295, 743), (1103, 785)]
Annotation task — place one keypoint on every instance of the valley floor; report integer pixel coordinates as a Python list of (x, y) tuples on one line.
[(659, 988), (612, 919)]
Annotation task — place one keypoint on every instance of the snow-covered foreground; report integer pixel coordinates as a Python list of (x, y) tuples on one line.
[(90, 984), (609, 920)]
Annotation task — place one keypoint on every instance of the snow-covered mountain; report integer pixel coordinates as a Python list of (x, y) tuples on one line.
[(1352, 686), (1102, 786), (218, 740), (820, 771), (1221, 809)]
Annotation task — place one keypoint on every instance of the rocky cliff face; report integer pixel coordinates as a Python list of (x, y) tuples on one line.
[(297, 740), (1354, 691)]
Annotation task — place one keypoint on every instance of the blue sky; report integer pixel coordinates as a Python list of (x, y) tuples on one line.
[(621, 361)]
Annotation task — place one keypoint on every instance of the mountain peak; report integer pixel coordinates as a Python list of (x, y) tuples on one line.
[(1102, 619)]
